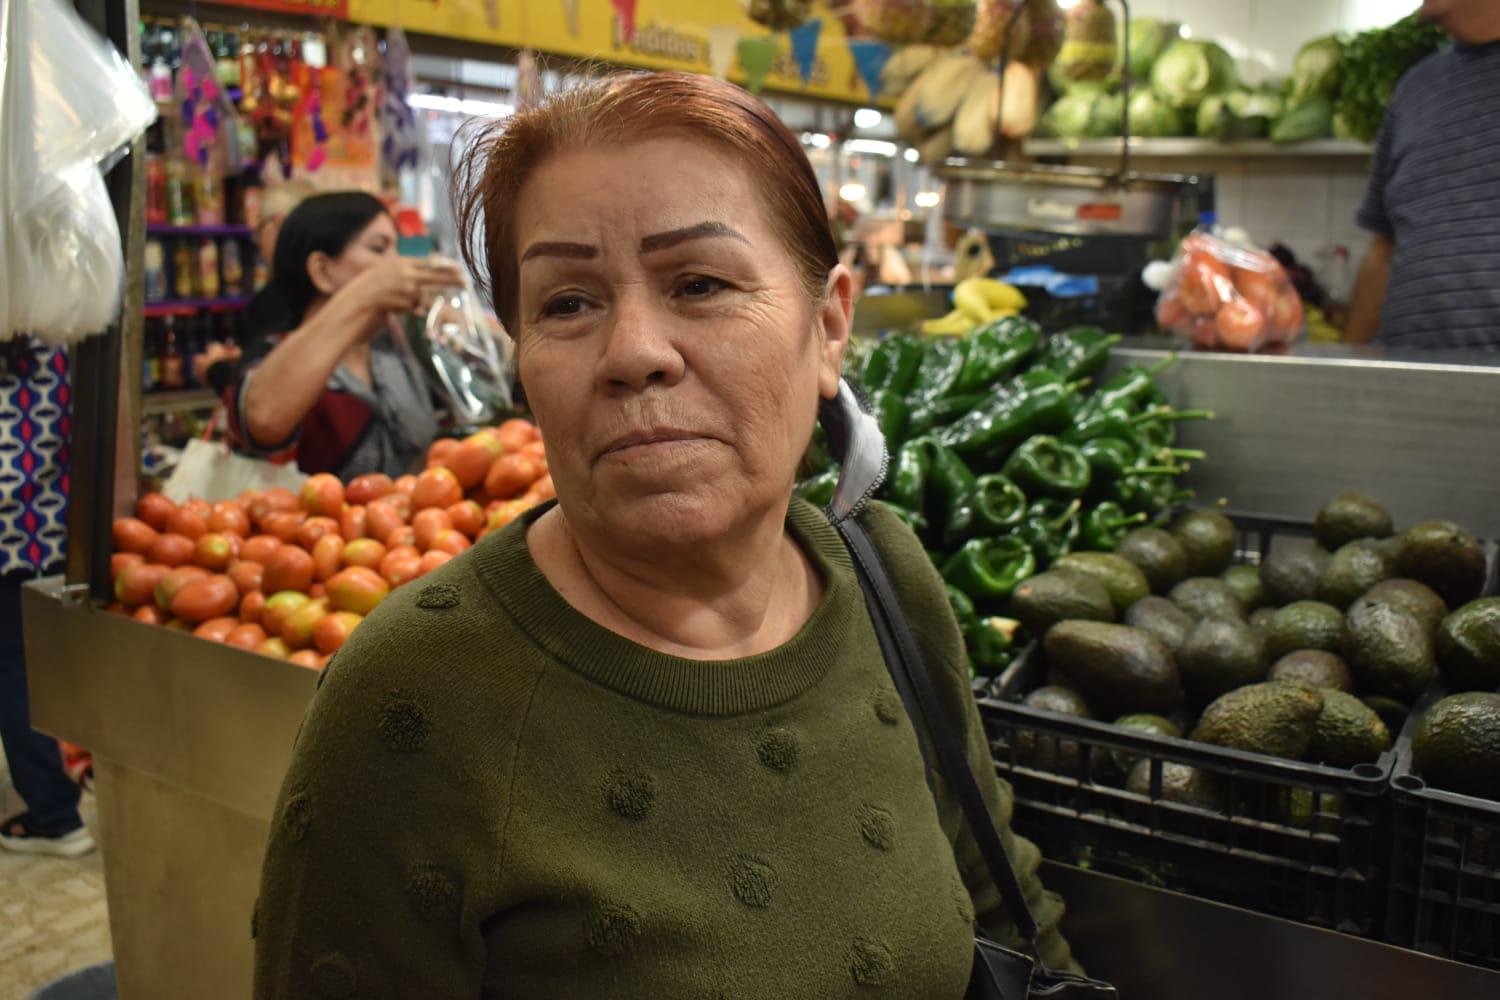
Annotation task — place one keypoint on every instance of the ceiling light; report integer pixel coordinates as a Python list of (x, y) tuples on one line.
[(867, 118), (853, 191), (875, 147), (927, 199)]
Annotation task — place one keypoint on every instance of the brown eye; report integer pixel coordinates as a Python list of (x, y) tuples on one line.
[(698, 286), (563, 306)]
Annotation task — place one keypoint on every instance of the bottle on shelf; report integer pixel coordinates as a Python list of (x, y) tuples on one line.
[(160, 80), (208, 197), (150, 354), (155, 272), (156, 189), (227, 61), (208, 268), (171, 357), (232, 268), (183, 269), (179, 191)]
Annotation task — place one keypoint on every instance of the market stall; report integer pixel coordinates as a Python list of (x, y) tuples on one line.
[(1046, 462)]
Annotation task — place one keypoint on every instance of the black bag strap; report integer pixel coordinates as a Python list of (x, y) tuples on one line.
[(919, 693)]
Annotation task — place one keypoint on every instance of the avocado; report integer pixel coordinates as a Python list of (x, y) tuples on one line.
[(1271, 718), (1245, 582), (1205, 597), (1291, 572), (1351, 516), (1305, 625), (1117, 763), (1409, 596), (1047, 598), (1218, 656), (1348, 732), (1260, 620), (1121, 577), (1180, 783), (1392, 712), (1208, 538), (1159, 555), (1317, 667), (1119, 669), (1351, 571), (1300, 806), (1044, 750), (1457, 744), (1468, 646), (1161, 618), (1389, 651), (1446, 558)]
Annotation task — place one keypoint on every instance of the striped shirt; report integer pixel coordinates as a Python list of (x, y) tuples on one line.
[(1435, 191)]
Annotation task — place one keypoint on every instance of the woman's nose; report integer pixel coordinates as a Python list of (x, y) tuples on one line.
[(639, 351)]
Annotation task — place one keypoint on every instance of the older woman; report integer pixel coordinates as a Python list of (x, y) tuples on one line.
[(642, 743)]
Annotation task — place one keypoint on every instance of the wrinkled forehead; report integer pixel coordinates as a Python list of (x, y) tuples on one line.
[(608, 193)]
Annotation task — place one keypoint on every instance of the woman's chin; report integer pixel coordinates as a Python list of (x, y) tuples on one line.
[(679, 514)]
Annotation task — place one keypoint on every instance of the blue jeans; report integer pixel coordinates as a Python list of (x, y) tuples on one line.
[(36, 767)]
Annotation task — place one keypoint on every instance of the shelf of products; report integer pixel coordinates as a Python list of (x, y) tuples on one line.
[(1199, 148), (163, 229), (189, 307), (177, 401)]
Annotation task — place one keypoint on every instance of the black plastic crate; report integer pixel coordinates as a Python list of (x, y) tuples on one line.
[(1302, 841), (1444, 887)]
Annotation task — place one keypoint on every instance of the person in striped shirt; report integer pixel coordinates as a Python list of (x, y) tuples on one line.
[(1430, 279)]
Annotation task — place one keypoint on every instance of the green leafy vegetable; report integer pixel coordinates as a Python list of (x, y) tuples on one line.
[(1190, 70), (1148, 37), (1373, 63), (1316, 70), (1312, 119)]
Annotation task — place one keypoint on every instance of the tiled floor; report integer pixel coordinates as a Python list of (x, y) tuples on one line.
[(53, 918)]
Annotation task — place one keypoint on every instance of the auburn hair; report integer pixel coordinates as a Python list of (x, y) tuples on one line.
[(619, 109)]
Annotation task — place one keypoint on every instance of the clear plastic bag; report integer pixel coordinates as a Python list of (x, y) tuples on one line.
[(1227, 296), (68, 103), (470, 358)]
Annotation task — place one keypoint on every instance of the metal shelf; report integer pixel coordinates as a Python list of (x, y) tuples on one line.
[(189, 307), (177, 401), (1200, 148), (161, 229)]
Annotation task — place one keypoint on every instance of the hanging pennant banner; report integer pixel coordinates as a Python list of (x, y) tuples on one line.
[(723, 42), (625, 10), (757, 56), (870, 59), (805, 46), (570, 16)]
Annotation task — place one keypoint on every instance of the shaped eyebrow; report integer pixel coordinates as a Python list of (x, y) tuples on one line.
[(703, 230), (573, 251)]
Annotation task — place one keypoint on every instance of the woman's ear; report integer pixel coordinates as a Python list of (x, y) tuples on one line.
[(835, 316), (319, 272)]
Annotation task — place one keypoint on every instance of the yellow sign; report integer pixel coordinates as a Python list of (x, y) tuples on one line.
[(670, 34)]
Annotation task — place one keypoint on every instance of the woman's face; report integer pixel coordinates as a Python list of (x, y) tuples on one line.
[(374, 243), (668, 348)]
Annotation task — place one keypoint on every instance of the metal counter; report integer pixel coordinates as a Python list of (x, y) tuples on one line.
[(190, 741), (1420, 432)]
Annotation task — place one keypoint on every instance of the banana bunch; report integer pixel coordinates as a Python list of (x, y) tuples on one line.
[(931, 101), (976, 301)]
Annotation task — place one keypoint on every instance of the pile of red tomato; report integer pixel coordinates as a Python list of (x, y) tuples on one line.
[(292, 575), (1229, 297)]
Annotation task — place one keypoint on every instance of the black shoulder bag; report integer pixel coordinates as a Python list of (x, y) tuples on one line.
[(998, 973)]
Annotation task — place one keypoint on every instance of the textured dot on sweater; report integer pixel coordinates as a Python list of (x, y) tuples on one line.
[(333, 976), (752, 880), (404, 723), (431, 891), (778, 749), (629, 794), (438, 596), (296, 817), (877, 826), (613, 929), (888, 706), (871, 962)]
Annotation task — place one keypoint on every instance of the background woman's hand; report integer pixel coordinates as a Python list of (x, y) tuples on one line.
[(399, 285)]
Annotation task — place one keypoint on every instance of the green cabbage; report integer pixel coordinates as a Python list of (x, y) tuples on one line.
[(1151, 117), (1104, 120), (1243, 114), (1148, 36), (1190, 70), (1312, 119), (1071, 114), (1316, 70)]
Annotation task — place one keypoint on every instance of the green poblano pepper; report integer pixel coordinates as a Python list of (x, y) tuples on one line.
[(942, 361), (988, 569), (995, 351), (1077, 353), (1045, 467), (992, 507)]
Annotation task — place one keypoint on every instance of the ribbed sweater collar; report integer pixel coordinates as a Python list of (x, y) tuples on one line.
[(700, 687)]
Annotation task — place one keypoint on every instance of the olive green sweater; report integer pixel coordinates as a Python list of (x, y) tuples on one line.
[(494, 796)]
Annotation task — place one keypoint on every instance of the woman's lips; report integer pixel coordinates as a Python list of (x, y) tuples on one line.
[(640, 441)]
